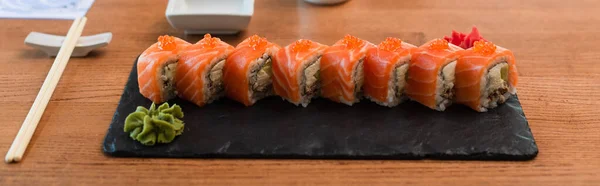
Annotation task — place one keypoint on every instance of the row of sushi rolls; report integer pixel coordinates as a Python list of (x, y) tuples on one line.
[(462, 68)]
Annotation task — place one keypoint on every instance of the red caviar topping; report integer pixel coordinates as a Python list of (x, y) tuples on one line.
[(390, 44), (438, 44), (351, 41), (209, 41), (301, 45), (256, 42), (484, 47), (166, 42)]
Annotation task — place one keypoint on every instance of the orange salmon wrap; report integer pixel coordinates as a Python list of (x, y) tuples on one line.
[(156, 66), (342, 74), (247, 71), (431, 74), (486, 75), (385, 71), (296, 71), (200, 70)]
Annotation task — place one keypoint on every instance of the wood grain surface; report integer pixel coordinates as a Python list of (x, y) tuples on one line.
[(556, 44)]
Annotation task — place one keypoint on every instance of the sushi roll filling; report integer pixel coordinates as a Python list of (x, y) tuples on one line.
[(310, 78), (496, 86), (445, 87), (359, 79), (260, 78), (215, 81), (399, 81), (166, 79), (309, 86)]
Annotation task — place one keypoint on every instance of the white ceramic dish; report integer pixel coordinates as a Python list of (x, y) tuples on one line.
[(210, 16), (51, 43)]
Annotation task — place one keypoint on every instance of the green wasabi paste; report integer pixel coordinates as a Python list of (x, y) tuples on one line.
[(155, 125)]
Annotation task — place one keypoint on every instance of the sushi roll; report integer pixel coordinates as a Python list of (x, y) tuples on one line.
[(385, 71), (199, 76), (247, 71), (156, 68), (296, 71), (430, 79), (486, 75), (342, 74)]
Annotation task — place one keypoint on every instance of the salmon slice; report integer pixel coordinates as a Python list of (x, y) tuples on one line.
[(385, 71), (296, 71), (199, 72), (247, 71), (342, 70), (155, 66), (486, 75), (430, 78)]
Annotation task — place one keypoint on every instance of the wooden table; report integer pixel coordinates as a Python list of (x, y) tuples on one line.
[(556, 45)]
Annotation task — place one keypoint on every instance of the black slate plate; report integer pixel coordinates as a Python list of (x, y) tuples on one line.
[(273, 128)]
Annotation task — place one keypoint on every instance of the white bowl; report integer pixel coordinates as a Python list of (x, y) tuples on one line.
[(210, 16)]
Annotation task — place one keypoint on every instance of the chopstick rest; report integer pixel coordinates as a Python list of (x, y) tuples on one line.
[(51, 44)]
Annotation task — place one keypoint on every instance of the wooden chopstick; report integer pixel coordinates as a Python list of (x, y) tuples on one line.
[(19, 145)]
